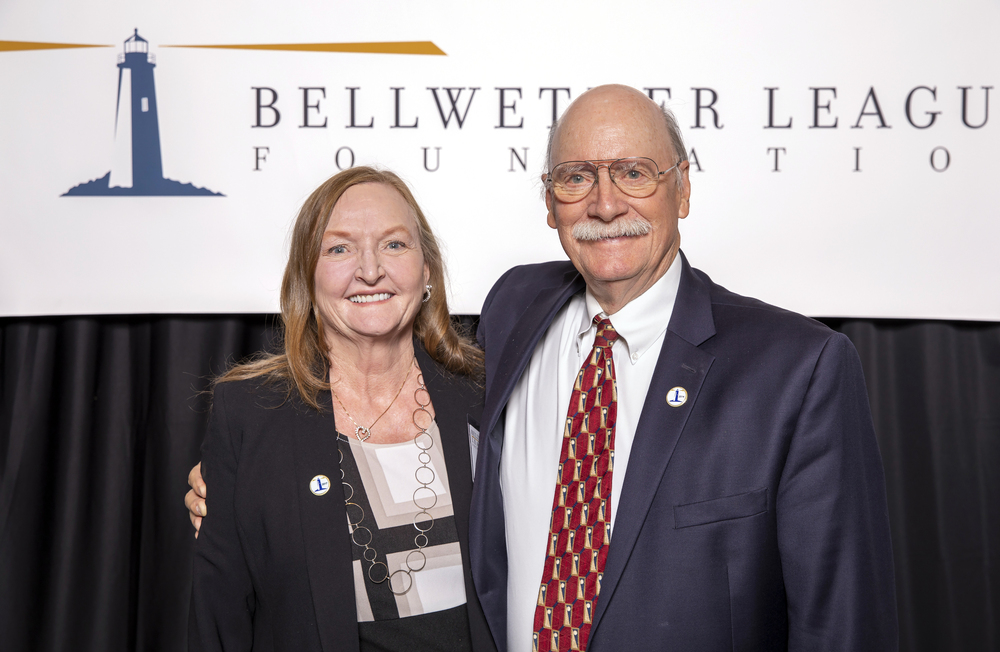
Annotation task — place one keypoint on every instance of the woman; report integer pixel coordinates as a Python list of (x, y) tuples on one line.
[(340, 467)]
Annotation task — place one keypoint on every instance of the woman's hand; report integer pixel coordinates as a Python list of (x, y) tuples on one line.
[(194, 500)]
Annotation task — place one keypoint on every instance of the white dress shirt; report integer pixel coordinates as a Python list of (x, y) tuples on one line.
[(535, 420)]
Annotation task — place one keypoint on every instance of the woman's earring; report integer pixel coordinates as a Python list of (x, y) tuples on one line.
[(427, 293)]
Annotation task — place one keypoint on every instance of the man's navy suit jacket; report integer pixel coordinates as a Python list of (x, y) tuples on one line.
[(752, 517)]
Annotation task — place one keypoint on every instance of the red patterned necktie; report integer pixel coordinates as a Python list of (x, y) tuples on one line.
[(581, 511)]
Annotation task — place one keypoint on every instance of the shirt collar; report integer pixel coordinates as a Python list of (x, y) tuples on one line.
[(642, 321)]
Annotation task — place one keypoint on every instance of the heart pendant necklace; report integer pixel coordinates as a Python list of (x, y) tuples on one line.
[(360, 431)]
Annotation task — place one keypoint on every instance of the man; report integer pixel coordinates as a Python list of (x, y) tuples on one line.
[(734, 450), (747, 499)]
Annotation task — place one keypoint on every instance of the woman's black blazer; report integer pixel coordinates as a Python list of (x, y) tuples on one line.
[(272, 567)]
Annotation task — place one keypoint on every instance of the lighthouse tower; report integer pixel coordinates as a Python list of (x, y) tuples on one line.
[(136, 166), (137, 163)]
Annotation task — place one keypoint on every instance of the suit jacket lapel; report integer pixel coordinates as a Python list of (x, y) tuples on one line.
[(323, 519), (520, 342), (680, 364), (487, 536)]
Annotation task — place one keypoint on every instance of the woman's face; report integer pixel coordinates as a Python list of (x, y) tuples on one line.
[(370, 275)]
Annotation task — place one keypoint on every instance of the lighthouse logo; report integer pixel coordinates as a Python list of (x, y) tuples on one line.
[(137, 167)]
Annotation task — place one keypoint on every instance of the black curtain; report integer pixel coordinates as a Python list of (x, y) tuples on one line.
[(934, 389), (102, 417)]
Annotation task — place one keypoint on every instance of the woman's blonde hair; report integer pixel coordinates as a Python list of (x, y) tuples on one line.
[(302, 363)]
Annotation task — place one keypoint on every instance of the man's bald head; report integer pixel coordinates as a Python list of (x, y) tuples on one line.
[(622, 96)]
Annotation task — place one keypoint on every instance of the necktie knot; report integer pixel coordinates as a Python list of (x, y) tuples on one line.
[(606, 333)]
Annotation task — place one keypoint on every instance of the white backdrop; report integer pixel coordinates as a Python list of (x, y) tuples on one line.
[(856, 221)]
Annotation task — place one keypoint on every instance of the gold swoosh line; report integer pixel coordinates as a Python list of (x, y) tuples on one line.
[(13, 46), (389, 47)]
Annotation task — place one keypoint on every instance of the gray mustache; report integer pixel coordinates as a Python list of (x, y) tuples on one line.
[(621, 227)]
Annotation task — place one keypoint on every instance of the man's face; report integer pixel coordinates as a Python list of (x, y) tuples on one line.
[(612, 123)]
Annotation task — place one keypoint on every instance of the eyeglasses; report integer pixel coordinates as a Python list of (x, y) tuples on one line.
[(637, 177)]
